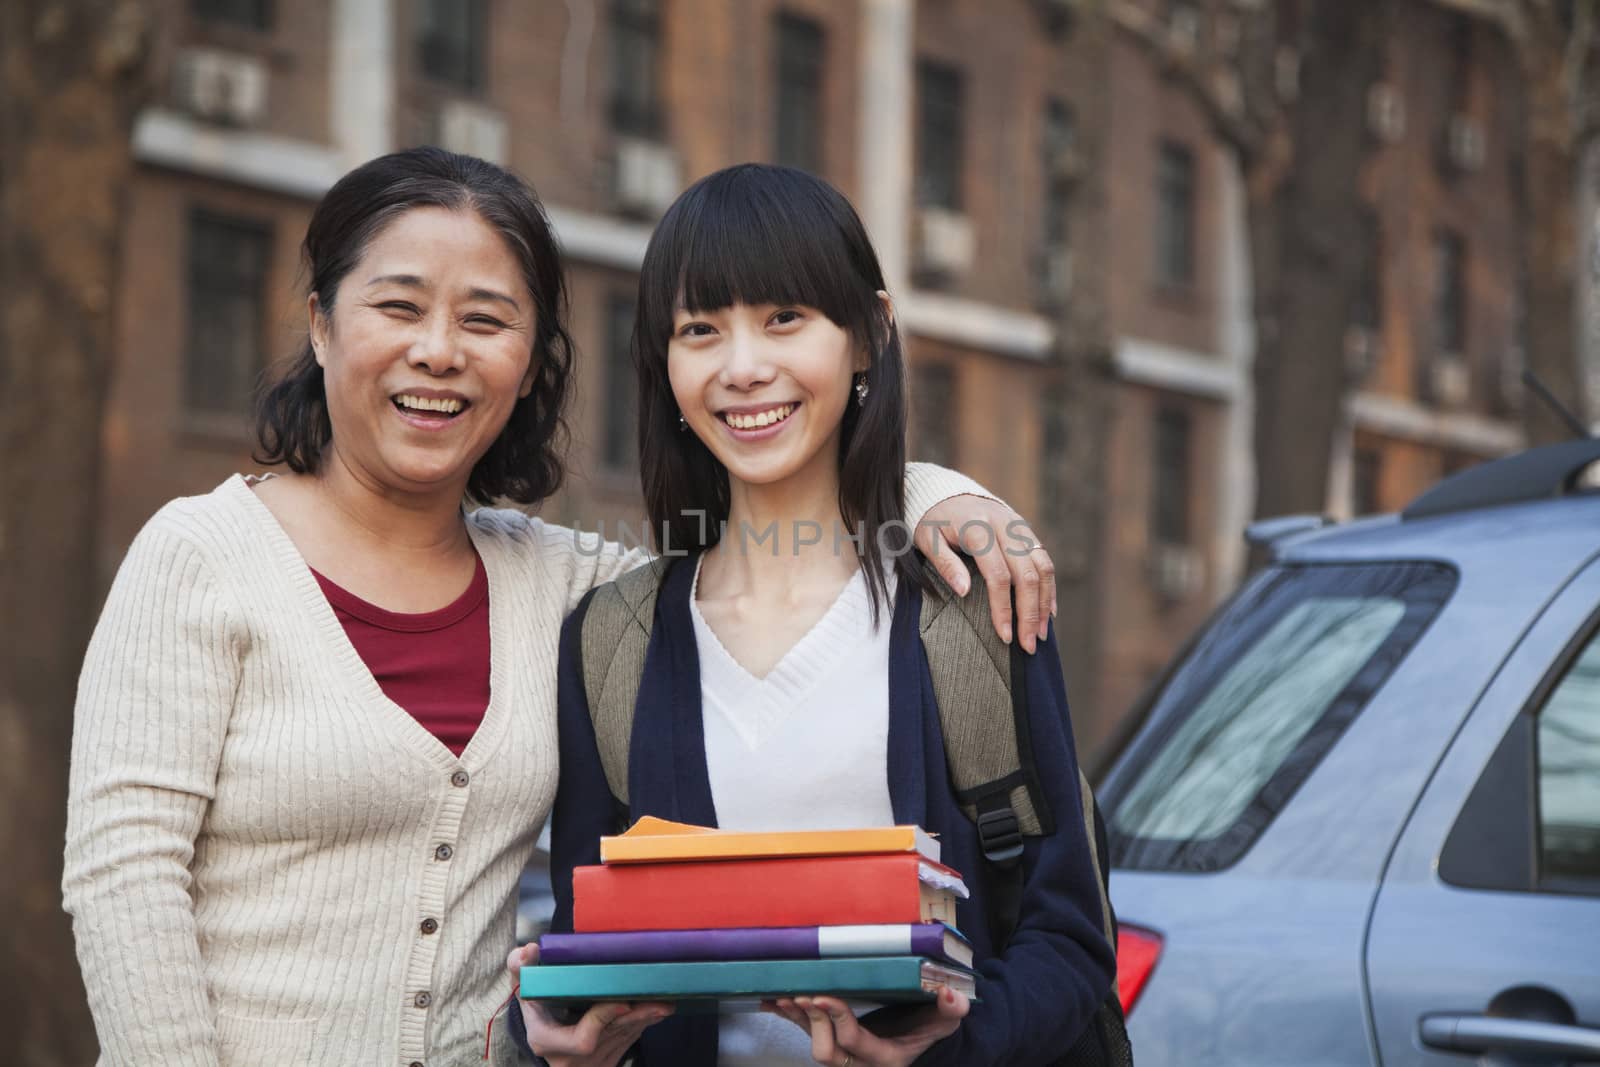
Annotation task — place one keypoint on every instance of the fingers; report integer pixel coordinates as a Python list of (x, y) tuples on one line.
[(520, 957), (937, 545), (604, 1033), (953, 1006)]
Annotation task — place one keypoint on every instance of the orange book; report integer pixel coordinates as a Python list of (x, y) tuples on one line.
[(737, 894), (652, 840)]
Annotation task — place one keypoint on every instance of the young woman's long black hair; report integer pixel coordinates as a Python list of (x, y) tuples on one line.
[(524, 464), (762, 234)]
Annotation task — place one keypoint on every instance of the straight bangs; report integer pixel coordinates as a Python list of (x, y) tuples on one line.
[(759, 235)]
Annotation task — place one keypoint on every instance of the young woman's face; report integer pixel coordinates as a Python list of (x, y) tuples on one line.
[(427, 350), (763, 385)]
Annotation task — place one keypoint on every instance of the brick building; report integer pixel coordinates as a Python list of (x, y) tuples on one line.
[(1027, 184)]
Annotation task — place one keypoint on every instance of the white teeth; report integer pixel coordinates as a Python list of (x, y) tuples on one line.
[(447, 405), (760, 419)]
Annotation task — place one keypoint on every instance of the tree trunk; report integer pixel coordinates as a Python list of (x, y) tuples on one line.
[(1308, 246), (1552, 227), (72, 73)]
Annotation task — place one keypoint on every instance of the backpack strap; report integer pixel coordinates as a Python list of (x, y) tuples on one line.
[(614, 636)]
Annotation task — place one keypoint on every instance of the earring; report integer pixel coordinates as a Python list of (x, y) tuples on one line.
[(683, 423), (862, 389)]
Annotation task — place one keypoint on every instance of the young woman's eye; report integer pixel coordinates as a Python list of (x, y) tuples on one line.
[(696, 329), (786, 317)]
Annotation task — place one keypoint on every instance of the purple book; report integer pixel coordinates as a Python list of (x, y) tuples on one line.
[(933, 940)]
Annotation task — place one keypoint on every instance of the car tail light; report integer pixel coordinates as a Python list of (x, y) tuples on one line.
[(1137, 952)]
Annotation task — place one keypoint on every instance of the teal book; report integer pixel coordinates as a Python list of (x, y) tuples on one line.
[(737, 985)]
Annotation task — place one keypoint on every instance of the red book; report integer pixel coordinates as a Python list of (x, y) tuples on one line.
[(810, 891)]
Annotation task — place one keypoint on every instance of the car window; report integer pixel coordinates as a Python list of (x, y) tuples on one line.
[(1568, 741), (1258, 701)]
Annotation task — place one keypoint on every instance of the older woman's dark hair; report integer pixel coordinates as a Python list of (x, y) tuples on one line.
[(762, 234), (524, 464)]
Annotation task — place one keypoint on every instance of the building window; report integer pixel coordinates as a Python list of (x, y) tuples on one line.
[(1449, 294), (799, 45), (939, 136), (1366, 474), (1169, 503), (934, 406), (635, 67), (1174, 215), (1367, 311), (451, 35), (618, 450), (250, 14), (1053, 443), (1058, 149), (226, 350)]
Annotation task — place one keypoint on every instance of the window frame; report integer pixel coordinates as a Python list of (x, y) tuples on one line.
[(940, 123), (198, 280), (635, 106), (474, 78), (1432, 586), (262, 20), (619, 448), (1494, 844), (799, 80), (1176, 215)]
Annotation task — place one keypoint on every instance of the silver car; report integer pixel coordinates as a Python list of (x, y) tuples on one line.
[(1358, 822)]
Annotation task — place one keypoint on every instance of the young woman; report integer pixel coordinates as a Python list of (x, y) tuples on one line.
[(315, 730), (785, 685)]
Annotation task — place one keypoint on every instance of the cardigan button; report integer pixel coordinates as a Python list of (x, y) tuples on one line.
[(430, 925), (460, 779), (423, 999), (416, 1063), (443, 852)]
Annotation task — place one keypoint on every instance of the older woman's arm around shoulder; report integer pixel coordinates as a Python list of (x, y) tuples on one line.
[(152, 709)]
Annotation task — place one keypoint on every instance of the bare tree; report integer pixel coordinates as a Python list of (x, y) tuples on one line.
[(1557, 46), (1285, 84), (73, 72)]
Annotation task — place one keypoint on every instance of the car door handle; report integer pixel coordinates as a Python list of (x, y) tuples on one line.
[(1493, 1033)]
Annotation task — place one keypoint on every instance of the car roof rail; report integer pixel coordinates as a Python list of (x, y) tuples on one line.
[(1537, 474), (1264, 532)]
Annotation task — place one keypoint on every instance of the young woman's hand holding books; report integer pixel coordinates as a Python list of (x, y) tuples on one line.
[(898, 1037), (601, 1037)]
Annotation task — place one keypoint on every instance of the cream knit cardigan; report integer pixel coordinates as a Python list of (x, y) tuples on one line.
[(256, 834)]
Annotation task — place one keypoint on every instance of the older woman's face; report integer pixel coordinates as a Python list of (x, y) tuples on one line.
[(426, 351)]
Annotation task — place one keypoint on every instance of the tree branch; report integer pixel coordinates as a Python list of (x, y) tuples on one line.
[(1232, 123)]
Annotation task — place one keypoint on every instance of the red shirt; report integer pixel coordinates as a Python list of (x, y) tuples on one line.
[(434, 664)]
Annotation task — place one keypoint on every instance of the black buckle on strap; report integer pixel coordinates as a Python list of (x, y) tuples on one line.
[(1000, 835)]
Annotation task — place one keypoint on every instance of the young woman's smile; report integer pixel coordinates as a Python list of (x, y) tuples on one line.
[(764, 386)]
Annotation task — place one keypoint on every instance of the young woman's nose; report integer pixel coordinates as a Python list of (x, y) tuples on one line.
[(746, 361), (437, 349)]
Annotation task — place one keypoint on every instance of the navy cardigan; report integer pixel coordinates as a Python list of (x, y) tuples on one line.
[(1037, 994)]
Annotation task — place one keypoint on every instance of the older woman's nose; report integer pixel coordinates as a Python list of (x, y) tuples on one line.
[(437, 349)]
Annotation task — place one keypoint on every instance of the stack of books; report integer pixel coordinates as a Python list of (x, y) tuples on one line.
[(726, 919)]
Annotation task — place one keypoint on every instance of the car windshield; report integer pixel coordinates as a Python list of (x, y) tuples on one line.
[(1255, 705)]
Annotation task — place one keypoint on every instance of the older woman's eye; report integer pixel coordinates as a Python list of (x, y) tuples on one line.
[(405, 307)]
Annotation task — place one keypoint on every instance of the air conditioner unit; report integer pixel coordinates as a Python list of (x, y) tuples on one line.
[(1464, 143), (1449, 381), (473, 130), (218, 86), (946, 244), (1386, 113), (1183, 29), (1360, 353), (1176, 571), (646, 178)]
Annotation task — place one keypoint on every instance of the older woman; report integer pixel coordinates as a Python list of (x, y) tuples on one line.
[(315, 730)]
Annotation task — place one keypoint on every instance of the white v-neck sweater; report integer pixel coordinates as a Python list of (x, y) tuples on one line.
[(268, 861), (806, 747)]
